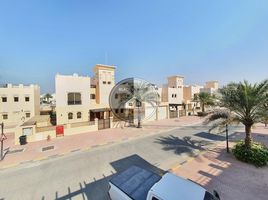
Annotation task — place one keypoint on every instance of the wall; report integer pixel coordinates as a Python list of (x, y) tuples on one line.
[(65, 85), (105, 80), (17, 110), (162, 112), (43, 135)]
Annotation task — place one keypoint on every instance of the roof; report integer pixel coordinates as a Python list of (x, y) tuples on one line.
[(172, 186), (102, 66), (135, 182), (36, 119), (176, 76)]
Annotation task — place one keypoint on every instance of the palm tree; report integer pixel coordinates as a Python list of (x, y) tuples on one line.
[(135, 91), (47, 97), (205, 99), (245, 103), (144, 92), (265, 114), (221, 119)]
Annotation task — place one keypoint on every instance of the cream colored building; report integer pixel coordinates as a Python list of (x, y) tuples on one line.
[(19, 103), (81, 98), (172, 93), (211, 87), (189, 93)]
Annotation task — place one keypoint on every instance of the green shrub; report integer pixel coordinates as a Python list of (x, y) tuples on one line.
[(257, 154)]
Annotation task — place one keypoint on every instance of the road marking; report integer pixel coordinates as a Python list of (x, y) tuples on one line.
[(86, 149), (9, 166), (190, 159), (64, 153), (41, 158), (102, 144), (175, 168)]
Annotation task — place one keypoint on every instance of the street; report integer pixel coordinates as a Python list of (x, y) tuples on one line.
[(84, 175)]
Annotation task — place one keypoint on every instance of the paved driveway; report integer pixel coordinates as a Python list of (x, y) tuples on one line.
[(233, 179)]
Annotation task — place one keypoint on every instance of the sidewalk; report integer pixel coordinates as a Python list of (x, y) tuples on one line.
[(85, 141), (216, 169)]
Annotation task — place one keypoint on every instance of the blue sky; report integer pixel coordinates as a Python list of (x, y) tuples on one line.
[(201, 40)]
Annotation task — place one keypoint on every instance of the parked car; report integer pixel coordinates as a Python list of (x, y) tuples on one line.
[(136, 183)]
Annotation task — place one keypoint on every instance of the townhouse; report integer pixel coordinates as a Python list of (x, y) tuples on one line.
[(172, 95), (82, 98), (18, 103)]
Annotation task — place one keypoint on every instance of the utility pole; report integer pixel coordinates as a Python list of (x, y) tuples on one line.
[(227, 138), (2, 141)]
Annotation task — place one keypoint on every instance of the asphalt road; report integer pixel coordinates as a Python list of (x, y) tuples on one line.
[(84, 175)]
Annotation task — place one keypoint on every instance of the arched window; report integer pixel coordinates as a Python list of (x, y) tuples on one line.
[(70, 115), (79, 115)]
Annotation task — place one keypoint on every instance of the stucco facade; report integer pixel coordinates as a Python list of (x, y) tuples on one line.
[(19, 103), (78, 97)]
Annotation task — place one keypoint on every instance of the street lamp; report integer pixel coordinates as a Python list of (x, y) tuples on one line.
[(138, 104), (227, 138)]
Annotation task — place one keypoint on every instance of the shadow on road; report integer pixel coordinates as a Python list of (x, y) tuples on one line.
[(98, 190), (181, 145), (210, 136)]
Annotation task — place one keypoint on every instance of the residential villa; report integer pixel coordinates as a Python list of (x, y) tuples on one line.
[(189, 93), (82, 104), (172, 94), (83, 99), (19, 103), (210, 87)]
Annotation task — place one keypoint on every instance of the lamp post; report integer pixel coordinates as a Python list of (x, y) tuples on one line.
[(2, 141), (227, 138), (138, 104)]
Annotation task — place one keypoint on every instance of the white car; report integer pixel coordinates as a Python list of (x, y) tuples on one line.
[(136, 183)]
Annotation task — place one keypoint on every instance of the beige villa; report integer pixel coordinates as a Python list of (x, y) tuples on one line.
[(210, 87), (82, 98), (82, 104), (18, 103), (172, 95)]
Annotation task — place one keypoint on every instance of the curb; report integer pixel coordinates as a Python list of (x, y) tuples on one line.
[(122, 140)]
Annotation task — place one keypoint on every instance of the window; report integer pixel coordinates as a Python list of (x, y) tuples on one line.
[(116, 96), (92, 96), (27, 99), (74, 98), (79, 115), (28, 115), (104, 82), (16, 99), (175, 95), (5, 116), (4, 99), (109, 82), (70, 115)]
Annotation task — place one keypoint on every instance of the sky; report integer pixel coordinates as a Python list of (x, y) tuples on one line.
[(200, 40)]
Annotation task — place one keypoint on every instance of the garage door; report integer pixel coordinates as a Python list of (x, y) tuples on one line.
[(162, 112)]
